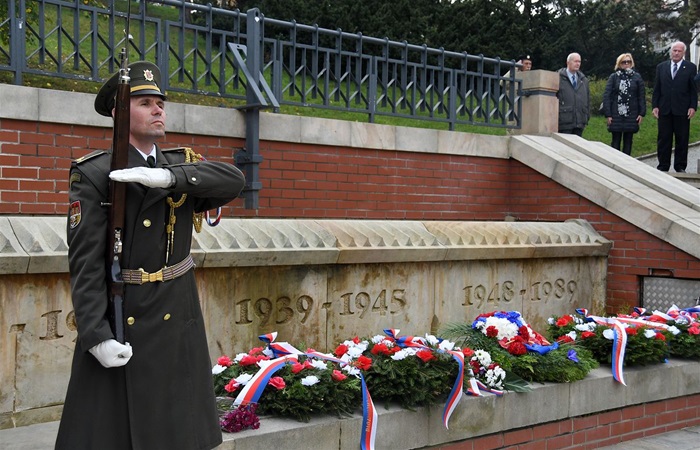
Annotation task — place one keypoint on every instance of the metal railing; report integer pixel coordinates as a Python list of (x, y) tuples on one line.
[(302, 65)]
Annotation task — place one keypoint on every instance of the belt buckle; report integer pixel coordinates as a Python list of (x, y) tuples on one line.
[(151, 277)]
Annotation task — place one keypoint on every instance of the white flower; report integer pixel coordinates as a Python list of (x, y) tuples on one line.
[(432, 340), (356, 350), (572, 335), (310, 380), (506, 328), (378, 338), (267, 352), (483, 357), (217, 369), (609, 334), (243, 378), (550, 321), (582, 327), (401, 354), (649, 334), (318, 364), (446, 345), (351, 370), (674, 330), (239, 357)]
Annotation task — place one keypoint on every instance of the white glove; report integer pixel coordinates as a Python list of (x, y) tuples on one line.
[(151, 177), (111, 353)]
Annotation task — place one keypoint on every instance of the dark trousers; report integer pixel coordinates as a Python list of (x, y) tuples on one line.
[(626, 139), (671, 127), (576, 131)]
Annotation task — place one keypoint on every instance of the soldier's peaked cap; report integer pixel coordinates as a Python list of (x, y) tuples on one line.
[(145, 80)]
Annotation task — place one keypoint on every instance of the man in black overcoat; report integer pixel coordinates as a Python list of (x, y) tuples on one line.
[(674, 102), (155, 391)]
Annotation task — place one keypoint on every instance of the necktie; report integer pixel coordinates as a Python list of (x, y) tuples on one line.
[(675, 69), (573, 81), (151, 161)]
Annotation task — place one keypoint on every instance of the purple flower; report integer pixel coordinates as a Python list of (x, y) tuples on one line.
[(572, 356)]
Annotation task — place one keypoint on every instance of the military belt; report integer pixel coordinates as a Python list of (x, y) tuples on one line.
[(139, 276)]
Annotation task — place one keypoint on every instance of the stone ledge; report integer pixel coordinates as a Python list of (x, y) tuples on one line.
[(38, 244), (473, 417)]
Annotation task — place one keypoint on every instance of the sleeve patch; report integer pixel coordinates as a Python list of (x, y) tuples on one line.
[(75, 214), (74, 177)]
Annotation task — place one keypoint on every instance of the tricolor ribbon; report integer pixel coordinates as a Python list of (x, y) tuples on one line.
[(252, 391), (619, 342)]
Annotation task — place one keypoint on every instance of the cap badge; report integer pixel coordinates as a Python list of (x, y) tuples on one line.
[(148, 75)]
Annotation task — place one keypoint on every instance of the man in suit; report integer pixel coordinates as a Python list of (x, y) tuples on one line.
[(574, 97), (674, 102)]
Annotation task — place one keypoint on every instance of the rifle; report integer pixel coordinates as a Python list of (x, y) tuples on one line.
[(117, 192)]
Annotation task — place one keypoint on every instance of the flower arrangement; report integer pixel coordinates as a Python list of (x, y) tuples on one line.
[(645, 345), (522, 352), (303, 387), (683, 328)]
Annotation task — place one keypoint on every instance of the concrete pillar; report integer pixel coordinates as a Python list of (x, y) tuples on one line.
[(540, 106)]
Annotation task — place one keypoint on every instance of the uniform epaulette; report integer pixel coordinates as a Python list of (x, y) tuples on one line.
[(176, 149), (90, 156)]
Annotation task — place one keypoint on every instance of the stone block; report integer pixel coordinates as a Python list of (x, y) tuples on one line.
[(597, 392), (13, 258)]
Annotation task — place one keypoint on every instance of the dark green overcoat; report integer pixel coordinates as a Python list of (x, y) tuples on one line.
[(163, 398)]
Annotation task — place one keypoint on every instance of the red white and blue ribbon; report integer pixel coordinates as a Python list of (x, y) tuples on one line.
[(369, 418), (252, 391), (619, 342)]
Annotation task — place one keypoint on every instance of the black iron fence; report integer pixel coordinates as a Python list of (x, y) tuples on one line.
[(260, 61)]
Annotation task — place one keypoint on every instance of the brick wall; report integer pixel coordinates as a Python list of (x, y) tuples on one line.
[(305, 181), (595, 430)]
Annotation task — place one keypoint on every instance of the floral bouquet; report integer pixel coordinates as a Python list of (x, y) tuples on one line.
[(520, 350), (304, 386), (683, 326), (644, 344)]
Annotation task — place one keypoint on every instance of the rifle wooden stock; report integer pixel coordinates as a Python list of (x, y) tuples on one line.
[(117, 206)]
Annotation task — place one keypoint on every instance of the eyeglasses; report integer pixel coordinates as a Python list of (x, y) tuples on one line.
[(627, 61)]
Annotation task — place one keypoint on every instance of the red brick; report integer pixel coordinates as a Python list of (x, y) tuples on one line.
[(488, 442), (517, 437), (609, 417), (545, 431), (598, 433), (581, 423)]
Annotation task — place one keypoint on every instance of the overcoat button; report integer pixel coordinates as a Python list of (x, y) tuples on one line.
[(194, 178), (166, 317), (146, 223), (130, 320)]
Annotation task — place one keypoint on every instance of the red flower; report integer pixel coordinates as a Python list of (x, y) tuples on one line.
[(587, 334), (425, 355), (232, 386), (467, 352), (224, 361), (491, 331), (296, 367), (255, 351), (564, 320), (631, 331), (380, 348), (660, 336), (337, 375), (248, 360), (356, 340), (517, 348), (695, 330), (363, 363), (277, 382), (565, 339), (341, 350), (524, 333)]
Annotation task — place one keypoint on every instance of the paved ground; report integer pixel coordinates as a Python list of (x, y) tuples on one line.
[(685, 439)]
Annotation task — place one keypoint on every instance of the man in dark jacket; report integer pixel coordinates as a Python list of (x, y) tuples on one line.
[(154, 391), (674, 102), (574, 97)]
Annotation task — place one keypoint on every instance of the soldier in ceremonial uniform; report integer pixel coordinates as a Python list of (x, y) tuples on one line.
[(154, 391)]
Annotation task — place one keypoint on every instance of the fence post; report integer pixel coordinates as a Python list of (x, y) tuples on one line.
[(249, 157), (540, 108)]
